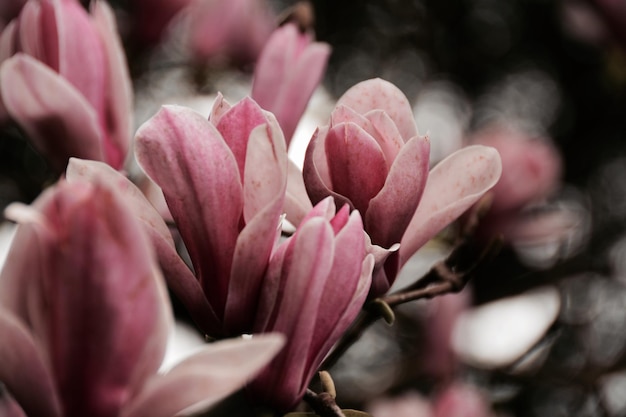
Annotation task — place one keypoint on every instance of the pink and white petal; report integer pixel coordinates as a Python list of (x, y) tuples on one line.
[(101, 266), (80, 50), (453, 186), (7, 49), (220, 107), (265, 172), (205, 378), (390, 212), (386, 134), (296, 91), (315, 172), (55, 116), (348, 316), (250, 261), (307, 266), (180, 279), (187, 157), (273, 66), (297, 203), (24, 371), (346, 278), (380, 94), (236, 125), (30, 38), (119, 92), (357, 165)]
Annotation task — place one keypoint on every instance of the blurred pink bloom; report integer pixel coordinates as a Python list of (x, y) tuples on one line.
[(84, 317), (315, 285), (531, 167), (67, 84), (372, 158), (235, 30), (289, 69), (409, 404), (460, 400), (531, 171), (224, 182)]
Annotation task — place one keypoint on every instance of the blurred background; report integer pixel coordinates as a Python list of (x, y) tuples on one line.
[(542, 330)]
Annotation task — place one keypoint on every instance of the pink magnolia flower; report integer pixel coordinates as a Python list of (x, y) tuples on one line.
[(84, 317), (67, 84), (531, 171), (461, 400), (228, 29), (289, 69), (315, 285), (371, 157), (224, 181)]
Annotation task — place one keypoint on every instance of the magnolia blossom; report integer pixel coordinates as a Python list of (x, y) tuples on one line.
[(371, 157), (84, 317), (229, 29), (64, 80), (531, 172), (224, 181), (315, 285), (289, 69)]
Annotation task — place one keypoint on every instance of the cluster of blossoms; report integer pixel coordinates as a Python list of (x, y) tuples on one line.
[(83, 316)]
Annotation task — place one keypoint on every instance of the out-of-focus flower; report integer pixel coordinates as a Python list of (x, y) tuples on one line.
[(233, 30), (224, 181), (64, 80), (461, 400), (409, 404), (315, 285), (372, 158), (289, 69), (84, 317), (531, 171), (531, 167)]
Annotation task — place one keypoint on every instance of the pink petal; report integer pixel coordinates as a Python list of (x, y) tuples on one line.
[(187, 157), (118, 100), (54, 114), (390, 212), (220, 107), (180, 279), (7, 49), (80, 50), (205, 378), (453, 186), (98, 306), (315, 171), (357, 164), (272, 66), (265, 173), (236, 126), (380, 94), (30, 37), (297, 202), (9, 407), (348, 283), (264, 190), (306, 268), (288, 71), (24, 370), (386, 134)]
